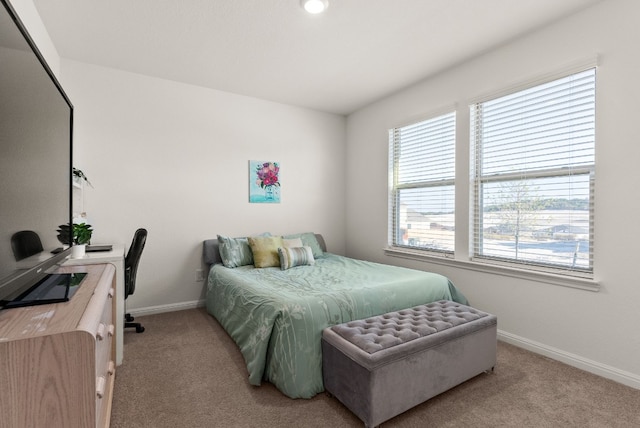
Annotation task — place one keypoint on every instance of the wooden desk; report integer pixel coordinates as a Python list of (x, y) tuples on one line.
[(57, 361), (115, 257)]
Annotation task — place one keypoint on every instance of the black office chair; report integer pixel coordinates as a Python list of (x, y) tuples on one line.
[(25, 243), (130, 271)]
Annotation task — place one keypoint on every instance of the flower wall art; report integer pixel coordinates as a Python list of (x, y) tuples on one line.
[(264, 182)]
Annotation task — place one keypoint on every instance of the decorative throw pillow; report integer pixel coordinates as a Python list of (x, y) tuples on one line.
[(234, 252), (295, 256), (265, 250), (291, 243), (308, 239)]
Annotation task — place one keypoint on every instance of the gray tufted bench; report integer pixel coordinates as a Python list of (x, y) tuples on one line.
[(382, 366)]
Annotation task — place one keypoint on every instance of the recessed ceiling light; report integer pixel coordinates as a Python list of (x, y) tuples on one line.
[(314, 6)]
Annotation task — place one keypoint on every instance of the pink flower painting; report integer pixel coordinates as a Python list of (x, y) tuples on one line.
[(264, 182)]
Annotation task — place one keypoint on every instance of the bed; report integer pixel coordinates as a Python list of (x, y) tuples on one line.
[(276, 316)]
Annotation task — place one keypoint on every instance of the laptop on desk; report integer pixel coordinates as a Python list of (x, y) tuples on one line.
[(96, 248)]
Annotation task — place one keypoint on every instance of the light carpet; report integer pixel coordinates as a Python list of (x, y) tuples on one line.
[(185, 371)]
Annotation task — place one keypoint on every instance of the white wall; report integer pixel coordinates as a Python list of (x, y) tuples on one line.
[(597, 331), (29, 16), (173, 158)]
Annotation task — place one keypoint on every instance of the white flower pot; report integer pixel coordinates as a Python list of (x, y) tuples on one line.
[(78, 251)]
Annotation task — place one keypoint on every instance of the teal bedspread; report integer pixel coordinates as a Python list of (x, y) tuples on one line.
[(276, 317)]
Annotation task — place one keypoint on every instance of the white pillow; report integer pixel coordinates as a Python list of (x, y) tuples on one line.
[(291, 242)]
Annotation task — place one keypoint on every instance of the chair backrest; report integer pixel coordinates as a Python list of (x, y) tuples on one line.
[(132, 259), (25, 243)]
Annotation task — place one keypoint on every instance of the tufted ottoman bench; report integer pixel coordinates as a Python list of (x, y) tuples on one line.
[(382, 366)]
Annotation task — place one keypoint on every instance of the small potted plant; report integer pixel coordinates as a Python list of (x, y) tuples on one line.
[(79, 234)]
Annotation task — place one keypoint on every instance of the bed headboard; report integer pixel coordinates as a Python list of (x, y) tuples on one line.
[(211, 252)]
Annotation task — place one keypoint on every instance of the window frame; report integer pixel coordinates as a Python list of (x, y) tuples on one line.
[(462, 256), (395, 187), (479, 179)]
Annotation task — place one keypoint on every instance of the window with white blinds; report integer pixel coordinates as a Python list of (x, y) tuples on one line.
[(533, 163), (422, 191)]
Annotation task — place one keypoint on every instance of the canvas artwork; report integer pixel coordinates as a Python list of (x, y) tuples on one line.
[(264, 182)]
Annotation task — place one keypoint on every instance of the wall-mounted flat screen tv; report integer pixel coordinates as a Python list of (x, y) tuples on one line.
[(36, 126)]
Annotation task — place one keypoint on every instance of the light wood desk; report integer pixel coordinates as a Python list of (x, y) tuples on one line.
[(116, 258)]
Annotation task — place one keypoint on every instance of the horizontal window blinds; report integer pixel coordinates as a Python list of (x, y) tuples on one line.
[(422, 171), (533, 165)]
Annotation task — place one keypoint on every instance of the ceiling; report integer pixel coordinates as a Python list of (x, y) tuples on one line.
[(355, 53)]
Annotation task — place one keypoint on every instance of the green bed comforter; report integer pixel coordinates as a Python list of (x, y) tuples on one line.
[(276, 317)]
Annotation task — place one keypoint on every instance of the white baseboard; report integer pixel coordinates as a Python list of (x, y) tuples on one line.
[(620, 376), (150, 310)]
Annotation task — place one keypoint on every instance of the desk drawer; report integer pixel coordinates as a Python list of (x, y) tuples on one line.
[(105, 356)]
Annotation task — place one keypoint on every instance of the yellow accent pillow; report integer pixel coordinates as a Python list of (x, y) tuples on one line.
[(265, 250)]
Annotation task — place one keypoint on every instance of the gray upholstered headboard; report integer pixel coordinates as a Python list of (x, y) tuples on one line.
[(211, 253)]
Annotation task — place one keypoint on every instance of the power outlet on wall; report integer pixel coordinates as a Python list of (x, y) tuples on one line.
[(199, 275)]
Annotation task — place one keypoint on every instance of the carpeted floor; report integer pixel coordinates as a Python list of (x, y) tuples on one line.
[(185, 371)]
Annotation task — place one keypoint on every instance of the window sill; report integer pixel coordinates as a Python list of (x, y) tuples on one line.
[(546, 277)]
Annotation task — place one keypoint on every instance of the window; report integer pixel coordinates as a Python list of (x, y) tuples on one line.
[(532, 172), (422, 191)]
